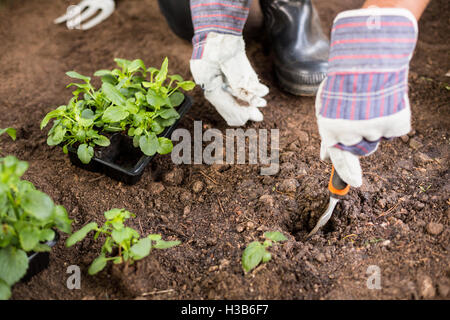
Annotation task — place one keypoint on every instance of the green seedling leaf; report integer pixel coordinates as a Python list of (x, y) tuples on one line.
[(266, 257), (46, 235), (76, 75), (186, 85), (13, 264), (176, 98), (149, 144), (97, 265), (161, 244), (131, 107), (87, 114), (156, 127), (5, 290), (9, 131), (102, 141), (57, 136), (176, 77), (275, 236), (114, 114), (123, 63), (29, 237), (136, 65), (168, 113), (62, 221), (113, 94), (41, 247), (162, 74), (81, 234), (267, 243), (124, 234), (85, 153), (252, 255), (120, 214), (155, 99), (37, 204), (109, 79), (154, 237), (141, 249), (102, 73), (165, 145)]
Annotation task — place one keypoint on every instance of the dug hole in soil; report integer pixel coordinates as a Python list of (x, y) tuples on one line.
[(398, 220)]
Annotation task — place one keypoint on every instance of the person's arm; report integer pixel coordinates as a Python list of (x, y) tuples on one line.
[(364, 98), (416, 7), (219, 63)]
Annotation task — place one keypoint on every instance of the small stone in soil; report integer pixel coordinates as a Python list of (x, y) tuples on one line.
[(435, 228), (211, 241), (185, 196), (240, 227), (426, 288), (288, 185), (267, 199), (386, 243), (415, 144), (287, 166), (156, 188), (443, 288), (220, 167), (405, 138), (267, 180), (197, 186), (422, 158), (174, 177), (320, 257)]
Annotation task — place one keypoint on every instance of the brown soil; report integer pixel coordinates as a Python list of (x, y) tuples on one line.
[(384, 223)]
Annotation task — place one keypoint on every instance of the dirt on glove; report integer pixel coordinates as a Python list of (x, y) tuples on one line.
[(398, 221)]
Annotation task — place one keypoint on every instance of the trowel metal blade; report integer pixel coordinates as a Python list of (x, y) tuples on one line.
[(325, 216)]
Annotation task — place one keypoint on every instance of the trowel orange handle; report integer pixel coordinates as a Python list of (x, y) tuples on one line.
[(336, 185)]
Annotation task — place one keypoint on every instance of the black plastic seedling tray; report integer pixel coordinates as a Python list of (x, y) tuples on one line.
[(38, 261), (121, 160)]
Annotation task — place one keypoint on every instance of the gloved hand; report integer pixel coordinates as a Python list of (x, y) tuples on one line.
[(219, 63), (365, 96), (75, 15)]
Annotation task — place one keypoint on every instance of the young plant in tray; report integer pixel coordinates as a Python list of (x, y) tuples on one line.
[(133, 99), (28, 218), (256, 252), (123, 243)]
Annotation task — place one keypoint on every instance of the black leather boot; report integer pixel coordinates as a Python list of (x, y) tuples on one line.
[(300, 46), (178, 16)]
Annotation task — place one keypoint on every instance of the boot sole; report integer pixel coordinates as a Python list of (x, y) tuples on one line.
[(298, 89)]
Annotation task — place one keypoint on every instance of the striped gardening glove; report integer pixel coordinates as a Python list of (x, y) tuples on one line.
[(219, 63), (365, 96)]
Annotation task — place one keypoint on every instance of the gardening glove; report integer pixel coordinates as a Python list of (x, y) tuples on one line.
[(365, 96), (75, 15), (219, 63)]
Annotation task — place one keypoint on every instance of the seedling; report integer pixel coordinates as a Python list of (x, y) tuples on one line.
[(9, 131), (424, 189), (135, 100), (28, 218), (124, 243), (256, 252)]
